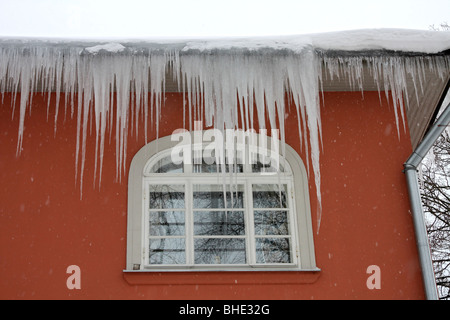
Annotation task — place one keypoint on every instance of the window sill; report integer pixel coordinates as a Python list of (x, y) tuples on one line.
[(149, 277)]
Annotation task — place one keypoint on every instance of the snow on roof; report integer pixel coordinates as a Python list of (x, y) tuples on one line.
[(385, 39), (403, 40), (400, 40)]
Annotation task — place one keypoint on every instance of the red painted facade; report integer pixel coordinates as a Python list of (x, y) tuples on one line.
[(45, 226)]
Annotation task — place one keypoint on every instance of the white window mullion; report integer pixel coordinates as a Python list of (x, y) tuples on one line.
[(250, 225), (189, 220), (292, 224), (247, 167)]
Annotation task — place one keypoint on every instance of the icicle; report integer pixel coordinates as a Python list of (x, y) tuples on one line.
[(223, 88)]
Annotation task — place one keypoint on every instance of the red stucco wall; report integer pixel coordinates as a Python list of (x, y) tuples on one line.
[(45, 226)]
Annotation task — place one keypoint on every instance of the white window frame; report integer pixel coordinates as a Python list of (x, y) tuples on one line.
[(301, 245)]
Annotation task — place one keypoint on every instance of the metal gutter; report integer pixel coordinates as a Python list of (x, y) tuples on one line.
[(410, 171)]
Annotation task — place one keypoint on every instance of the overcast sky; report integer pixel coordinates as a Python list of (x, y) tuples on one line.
[(209, 18)]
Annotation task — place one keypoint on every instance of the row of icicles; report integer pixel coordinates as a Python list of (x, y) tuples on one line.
[(221, 90)]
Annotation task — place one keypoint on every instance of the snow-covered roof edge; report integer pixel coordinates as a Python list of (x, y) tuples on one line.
[(364, 40)]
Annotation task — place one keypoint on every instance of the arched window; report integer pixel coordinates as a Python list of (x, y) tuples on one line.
[(201, 204)]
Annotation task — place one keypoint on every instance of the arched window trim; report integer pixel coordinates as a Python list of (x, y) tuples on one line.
[(136, 191)]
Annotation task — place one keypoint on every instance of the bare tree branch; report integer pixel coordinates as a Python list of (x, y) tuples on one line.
[(435, 191)]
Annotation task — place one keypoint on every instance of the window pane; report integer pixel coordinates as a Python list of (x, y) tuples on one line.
[(219, 251), (219, 223), (269, 196), (166, 165), (206, 162), (271, 222), (269, 167), (166, 196), (205, 167), (213, 168), (207, 196), (273, 250), (235, 168), (167, 251), (167, 223)]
